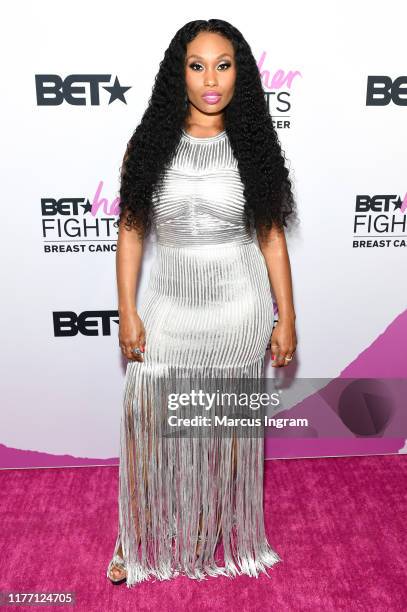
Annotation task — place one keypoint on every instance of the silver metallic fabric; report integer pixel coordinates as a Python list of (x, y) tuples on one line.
[(208, 315)]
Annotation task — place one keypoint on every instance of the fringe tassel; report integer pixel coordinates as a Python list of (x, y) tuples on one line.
[(180, 492)]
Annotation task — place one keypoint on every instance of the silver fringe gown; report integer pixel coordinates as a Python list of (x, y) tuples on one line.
[(208, 315)]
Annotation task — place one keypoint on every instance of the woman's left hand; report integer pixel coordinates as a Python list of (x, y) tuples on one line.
[(283, 343)]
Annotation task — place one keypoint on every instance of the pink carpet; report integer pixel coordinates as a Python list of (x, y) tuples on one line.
[(339, 525)]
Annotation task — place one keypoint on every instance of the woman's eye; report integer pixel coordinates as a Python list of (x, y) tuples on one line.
[(226, 64)]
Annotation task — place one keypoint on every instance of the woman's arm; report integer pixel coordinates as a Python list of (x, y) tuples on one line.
[(129, 254), (274, 249)]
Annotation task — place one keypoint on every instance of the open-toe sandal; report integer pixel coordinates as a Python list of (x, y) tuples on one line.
[(118, 564)]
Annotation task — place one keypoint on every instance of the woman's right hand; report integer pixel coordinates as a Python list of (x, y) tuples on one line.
[(132, 334)]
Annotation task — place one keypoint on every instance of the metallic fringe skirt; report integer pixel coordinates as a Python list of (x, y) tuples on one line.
[(183, 496)]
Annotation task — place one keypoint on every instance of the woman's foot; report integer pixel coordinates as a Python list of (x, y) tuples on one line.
[(116, 572), (117, 569)]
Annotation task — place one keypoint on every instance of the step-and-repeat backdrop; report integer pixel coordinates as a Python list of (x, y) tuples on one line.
[(75, 82)]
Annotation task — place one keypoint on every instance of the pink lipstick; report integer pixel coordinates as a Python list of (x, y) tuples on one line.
[(211, 97)]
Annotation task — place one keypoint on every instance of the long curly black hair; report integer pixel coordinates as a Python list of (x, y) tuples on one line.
[(248, 125)]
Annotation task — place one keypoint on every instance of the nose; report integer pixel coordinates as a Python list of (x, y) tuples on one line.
[(210, 78)]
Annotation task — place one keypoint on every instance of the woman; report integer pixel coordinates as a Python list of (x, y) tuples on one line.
[(204, 168)]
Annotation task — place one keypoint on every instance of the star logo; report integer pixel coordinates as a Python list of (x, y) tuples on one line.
[(87, 207), (116, 91), (401, 204)]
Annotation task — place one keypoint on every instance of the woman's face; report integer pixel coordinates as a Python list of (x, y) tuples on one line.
[(210, 72)]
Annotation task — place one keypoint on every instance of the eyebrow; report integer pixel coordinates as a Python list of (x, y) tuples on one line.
[(199, 57)]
